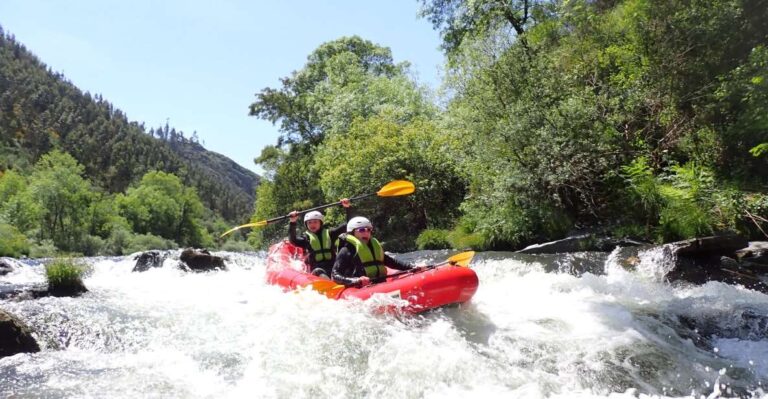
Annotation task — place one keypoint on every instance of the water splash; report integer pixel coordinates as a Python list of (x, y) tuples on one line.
[(533, 330)]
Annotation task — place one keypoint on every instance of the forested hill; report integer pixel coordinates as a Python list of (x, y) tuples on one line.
[(40, 111)]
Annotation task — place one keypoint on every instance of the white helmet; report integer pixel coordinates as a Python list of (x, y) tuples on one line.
[(357, 222), (314, 215)]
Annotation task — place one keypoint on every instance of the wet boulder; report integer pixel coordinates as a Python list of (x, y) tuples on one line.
[(201, 260), (580, 243), (709, 246), (148, 259), (73, 288), (755, 253), (699, 260), (5, 267), (15, 336)]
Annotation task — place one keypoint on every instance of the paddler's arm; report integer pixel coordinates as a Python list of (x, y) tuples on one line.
[(337, 231), (343, 269), (342, 228), (300, 242), (396, 264)]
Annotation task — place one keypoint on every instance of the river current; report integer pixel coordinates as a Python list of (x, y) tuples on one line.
[(555, 326)]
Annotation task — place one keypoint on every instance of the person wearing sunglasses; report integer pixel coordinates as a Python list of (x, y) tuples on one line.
[(361, 259), (317, 241)]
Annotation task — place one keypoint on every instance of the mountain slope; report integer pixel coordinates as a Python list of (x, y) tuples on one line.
[(40, 110)]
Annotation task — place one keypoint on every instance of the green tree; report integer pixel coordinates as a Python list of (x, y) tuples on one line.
[(266, 208), (162, 206), (304, 105), (12, 242), (62, 197), (461, 20), (379, 149), (344, 79), (551, 110), (16, 207)]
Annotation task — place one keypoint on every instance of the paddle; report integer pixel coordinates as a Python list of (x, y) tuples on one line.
[(394, 188), (331, 289), (461, 259)]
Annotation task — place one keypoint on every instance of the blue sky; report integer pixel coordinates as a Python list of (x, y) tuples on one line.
[(198, 64)]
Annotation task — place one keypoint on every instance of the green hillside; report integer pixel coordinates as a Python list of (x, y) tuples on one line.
[(40, 111)]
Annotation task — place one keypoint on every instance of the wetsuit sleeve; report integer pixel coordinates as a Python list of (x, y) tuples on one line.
[(337, 231), (300, 242), (343, 269), (396, 264)]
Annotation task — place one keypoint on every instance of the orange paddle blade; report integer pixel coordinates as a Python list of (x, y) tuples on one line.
[(330, 288), (396, 188), (255, 224), (461, 259)]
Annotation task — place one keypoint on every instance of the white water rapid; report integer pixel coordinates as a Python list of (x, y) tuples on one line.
[(528, 333)]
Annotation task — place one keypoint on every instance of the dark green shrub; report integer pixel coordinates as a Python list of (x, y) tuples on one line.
[(12, 242), (433, 239), (143, 242), (92, 245), (43, 249)]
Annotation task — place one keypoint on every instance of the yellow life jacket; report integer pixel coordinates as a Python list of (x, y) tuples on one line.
[(321, 246), (373, 262)]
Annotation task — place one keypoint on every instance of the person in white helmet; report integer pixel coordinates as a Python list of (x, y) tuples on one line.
[(361, 259), (317, 241)]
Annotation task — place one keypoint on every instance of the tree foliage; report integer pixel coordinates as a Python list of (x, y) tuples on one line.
[(308, 105), (62, 197), (380, 149), (344, 81), (162, 206), (554, 111)]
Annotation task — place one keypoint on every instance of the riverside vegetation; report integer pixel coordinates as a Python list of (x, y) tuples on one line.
[(76, 177), (637, 118)]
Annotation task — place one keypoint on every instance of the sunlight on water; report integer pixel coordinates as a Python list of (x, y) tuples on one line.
[(527, 333)]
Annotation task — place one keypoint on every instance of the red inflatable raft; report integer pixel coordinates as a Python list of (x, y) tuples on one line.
[(427, 289)]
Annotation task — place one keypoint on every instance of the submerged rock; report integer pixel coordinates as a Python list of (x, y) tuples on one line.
[(201, 260), (5, 267), (15, 336), (756, 253), (149, 259), (73, 289), (726, 258)]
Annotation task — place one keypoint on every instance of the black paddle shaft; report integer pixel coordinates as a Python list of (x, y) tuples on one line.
[(317, 208)]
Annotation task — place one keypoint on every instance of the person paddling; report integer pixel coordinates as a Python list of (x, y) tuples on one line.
[(318, 240), (361, 259)]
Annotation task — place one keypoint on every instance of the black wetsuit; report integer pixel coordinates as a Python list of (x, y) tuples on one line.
[(303, 242), (347, 269)]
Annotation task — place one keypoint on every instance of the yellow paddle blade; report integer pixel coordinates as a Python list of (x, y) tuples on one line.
[(461, 259), (330, 288), (396, 188), (255, 224)]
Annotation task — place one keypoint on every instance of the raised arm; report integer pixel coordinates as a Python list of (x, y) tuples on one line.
[(300, 242)]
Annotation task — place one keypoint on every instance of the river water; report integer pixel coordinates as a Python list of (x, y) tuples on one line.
[(556, 326)]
